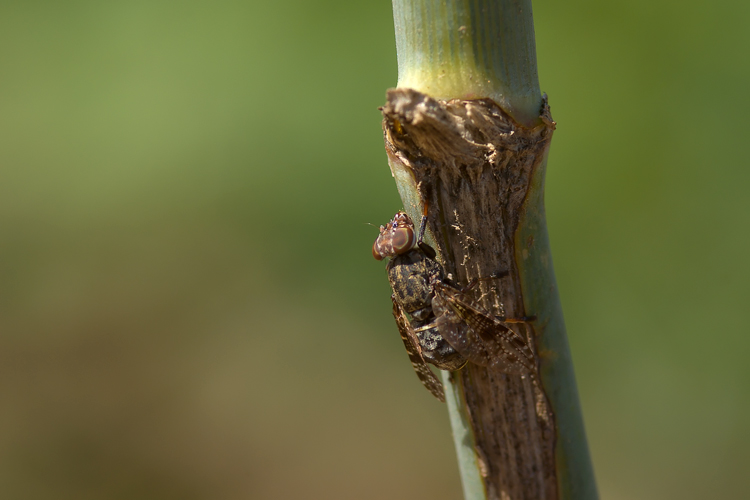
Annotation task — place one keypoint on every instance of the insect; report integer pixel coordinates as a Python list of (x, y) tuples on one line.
[(447, 327), (411, 271)]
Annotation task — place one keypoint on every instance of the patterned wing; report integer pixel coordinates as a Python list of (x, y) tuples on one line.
[(426, 376), (457, 332), (489, 342)]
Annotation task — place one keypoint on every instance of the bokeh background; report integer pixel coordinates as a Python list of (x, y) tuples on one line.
[(189, 308)]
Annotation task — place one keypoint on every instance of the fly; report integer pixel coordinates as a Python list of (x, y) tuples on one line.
[(411, 271), (445, 326)]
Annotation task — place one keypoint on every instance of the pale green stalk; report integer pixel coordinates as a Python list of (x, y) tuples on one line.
[(476, 49), (470, 49)]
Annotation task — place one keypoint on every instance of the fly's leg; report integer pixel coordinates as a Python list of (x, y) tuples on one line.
[(423, 224), (522, 319)]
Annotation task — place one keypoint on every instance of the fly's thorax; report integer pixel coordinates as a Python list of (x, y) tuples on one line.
[(411, 276)]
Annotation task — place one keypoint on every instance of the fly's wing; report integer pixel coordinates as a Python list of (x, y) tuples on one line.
[(504, 350), (426, 376), (457, 332)]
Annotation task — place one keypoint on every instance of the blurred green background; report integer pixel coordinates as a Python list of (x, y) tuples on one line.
[(189, 308)]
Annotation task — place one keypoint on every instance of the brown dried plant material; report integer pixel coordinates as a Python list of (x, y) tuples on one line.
[(472, 164)]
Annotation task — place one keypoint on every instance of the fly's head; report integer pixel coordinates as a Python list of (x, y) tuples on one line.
[(395, 238)]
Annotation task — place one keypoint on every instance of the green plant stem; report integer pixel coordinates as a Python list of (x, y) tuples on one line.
[(468, 133), (469, 50), (463, 438)]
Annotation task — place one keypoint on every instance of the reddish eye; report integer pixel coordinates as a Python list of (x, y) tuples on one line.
[(375, 251), (402, 239), (395, 238)]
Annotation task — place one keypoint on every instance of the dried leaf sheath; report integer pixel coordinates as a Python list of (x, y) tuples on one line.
[(473, 164)]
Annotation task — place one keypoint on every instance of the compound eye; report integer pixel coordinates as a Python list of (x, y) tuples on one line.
[(402, 240), (376, 250)]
